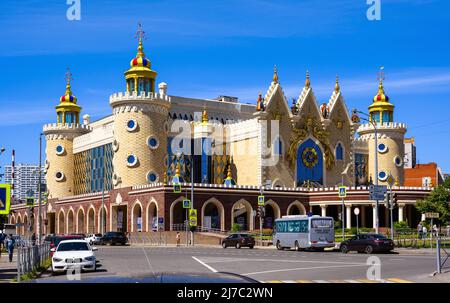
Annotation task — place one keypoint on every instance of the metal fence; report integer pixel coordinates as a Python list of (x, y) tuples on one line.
[(30, 257), (156, 238)]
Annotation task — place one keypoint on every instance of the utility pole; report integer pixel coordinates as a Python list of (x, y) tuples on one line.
[(343, 212), (40, 191), (102, 219), (192, 191)]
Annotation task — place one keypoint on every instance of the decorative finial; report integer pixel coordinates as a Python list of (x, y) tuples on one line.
[(396, 182), (307, 81), (140, 34), (165, 178), (68, 79), (229, 171), (336, 86), (178, 169), (204, 115), (259, 103), (275, 74), (381, 79)]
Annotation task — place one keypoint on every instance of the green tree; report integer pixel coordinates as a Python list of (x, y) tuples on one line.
[(447, 183), (436, 202)]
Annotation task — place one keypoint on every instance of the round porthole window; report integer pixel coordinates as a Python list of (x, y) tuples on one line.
[(382, 176), (382, 148), (60, 150), (398, 161), (115, 145), (152, 142), (131, 125), (131, 160), (59, 176), (152, 177)]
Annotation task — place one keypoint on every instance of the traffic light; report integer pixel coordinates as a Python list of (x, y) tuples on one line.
[(394, 200), (387, 199)]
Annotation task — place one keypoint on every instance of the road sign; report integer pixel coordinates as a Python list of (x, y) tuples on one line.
[(177, 188), (30, 202), (186, 203), (342, 192), (432, 215), (193, 217), (356, 211), (390, 180), (5, 199), (261, 200), (377, 192)]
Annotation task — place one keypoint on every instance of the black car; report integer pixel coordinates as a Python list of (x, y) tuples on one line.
[(238, 241), (113, 238), (367, 243)]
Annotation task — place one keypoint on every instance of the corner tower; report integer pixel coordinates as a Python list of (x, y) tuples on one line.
[(140, 125), (59, 163), (390, 147)]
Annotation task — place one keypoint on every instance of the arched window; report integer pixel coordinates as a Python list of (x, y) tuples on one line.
[(339, 152)]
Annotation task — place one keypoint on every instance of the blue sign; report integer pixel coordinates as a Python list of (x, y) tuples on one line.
[(310, 214), (161, 220), (5, 198), (186, 203), (342, 192)]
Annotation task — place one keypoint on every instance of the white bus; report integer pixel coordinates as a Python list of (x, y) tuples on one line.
[(303, 231)]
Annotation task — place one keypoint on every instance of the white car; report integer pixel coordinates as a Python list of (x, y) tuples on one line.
[(73, 254), (93, 238)]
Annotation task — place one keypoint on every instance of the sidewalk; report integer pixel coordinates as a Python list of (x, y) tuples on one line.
[(8, 270)]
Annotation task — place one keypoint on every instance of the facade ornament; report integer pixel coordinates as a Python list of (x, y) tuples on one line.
[(275, 74)]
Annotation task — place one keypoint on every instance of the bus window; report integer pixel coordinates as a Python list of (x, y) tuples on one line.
[(321, 223), (303, 226)]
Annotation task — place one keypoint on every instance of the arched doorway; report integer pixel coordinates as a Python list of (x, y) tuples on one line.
[(80, 221), (61, 223), (177, 215), (212, 215), (296, 208), (136, 217), (18, 226), (25, 228), (272, 212), (241, 214), (91, 221), (70, 222), (152, 216), (309, 163)]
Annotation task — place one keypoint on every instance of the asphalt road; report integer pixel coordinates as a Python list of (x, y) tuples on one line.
[(267, 265)]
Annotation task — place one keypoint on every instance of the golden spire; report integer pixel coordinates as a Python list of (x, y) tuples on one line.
[(307, 81), (204, 115), (229, 171), (336, 86), (275, 74), (381, 78), (140, 34), (68, 79), (259, 103)]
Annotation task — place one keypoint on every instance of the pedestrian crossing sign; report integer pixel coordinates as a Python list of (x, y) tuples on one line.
[(186, 203), (342, 191), (5, 198), (177, 188), (260, 200)]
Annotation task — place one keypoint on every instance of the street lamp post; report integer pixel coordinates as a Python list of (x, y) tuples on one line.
[(376, 164), (40, 191)]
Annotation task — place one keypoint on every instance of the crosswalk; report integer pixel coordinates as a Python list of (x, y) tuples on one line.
[(388, 280)]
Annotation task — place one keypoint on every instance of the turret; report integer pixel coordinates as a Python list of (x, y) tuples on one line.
[(59, 148)]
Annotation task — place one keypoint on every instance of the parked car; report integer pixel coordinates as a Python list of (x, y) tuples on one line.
[(73, 253), (93, 238), (367, 243), (54, 240), (113, 238), (238, 241)]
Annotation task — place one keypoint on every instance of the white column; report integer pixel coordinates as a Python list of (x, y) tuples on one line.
[(400, 212), (324, 210), (374, 216), (348, 216)]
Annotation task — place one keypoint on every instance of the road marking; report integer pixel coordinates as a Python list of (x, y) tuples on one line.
[(300, 268), (288, 281), (204, 264), (351, 281), (274, 281), (397, 280), (303, 281), (320, 281), (368, 281)]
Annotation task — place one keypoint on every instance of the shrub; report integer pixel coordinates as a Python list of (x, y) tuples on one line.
[(236, 227)]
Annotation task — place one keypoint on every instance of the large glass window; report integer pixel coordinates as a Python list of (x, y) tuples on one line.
[(376, 116), (387, 117)]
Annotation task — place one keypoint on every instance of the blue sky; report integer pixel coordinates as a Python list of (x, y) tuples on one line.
[(210, 48)]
